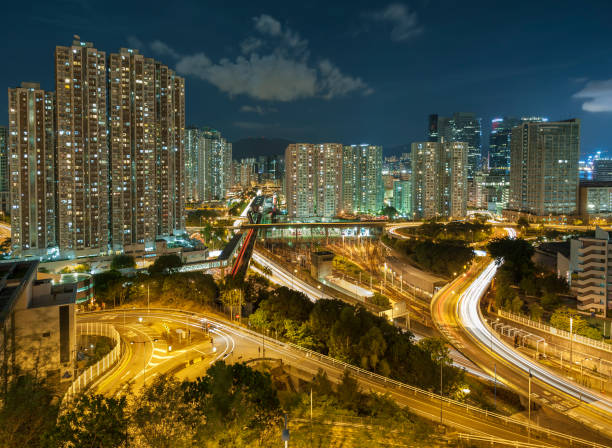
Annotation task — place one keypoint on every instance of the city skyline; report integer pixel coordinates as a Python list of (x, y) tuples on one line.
[(559, 83)]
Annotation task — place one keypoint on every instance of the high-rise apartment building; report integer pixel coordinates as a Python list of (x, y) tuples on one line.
[(5, 206), (402, 197), (544, 168), (439, 179), (216, 177), (313, 175), (208, 164), (244, 172), (461, 127), (81, 149), (193, 147), (362, 183), (169, 152), (146, 126), (31, 166)]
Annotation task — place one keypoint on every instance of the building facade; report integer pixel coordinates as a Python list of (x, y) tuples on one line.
[(313, 175), (5, 197), (37, 324), (592, 276), (602, 170), (544, 168), (193, 147), (81, 149), (595, 200), (362, 184), (402, 197), (147, 151), (439, 180), (216, 177), (32, 164), (499, 144)]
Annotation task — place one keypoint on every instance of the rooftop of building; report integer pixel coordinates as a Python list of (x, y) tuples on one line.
[(13, 277)]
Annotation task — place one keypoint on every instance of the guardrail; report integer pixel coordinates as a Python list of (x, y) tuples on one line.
[(495, 441), (601, 345), (537, 432), (94, 371)]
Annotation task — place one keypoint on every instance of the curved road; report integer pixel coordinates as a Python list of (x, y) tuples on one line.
[(456, 312), (237, 343)]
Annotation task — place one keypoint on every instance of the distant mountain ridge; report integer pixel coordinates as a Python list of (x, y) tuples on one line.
[(259, 146)]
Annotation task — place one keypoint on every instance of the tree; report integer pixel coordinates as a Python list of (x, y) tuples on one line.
[(516, 305), (93, 421), (550, 301), (162, 418), (166, 264), (27, 411), (390, 212), (522, 223), (372, 347), (536, 311), (123, 262)]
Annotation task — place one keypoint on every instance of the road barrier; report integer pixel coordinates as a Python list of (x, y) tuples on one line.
[(97, 369), (536, 432), (601, 345)]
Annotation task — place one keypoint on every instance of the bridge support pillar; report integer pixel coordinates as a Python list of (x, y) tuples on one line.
[(326, 236)]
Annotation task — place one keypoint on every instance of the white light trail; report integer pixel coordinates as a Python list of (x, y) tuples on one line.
[(469, 315)]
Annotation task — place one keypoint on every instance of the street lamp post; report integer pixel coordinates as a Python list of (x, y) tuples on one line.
[(144, 360), (148, 299), (571, 340), (441, 364)]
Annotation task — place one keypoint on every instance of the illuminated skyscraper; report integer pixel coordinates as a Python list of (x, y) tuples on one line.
[(146, 123), (4, 171), (193, 147), (81, 149), (31, 164), (313, 177), (439, 179), (544, 167), (461, 127), (362, 184), (215, 166), (402, 197), (499, 144)]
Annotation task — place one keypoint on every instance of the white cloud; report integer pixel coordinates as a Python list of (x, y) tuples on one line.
[(284, 73), (163, 49), (259, 110), (266, 24), (135, 43), (334, 83), (405, 23), (250, 44), (598, 95)]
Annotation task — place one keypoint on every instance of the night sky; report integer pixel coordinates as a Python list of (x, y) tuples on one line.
[(351, 72)]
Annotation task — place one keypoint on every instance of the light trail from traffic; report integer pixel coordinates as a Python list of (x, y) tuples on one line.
[(471, 319), (291, 281)]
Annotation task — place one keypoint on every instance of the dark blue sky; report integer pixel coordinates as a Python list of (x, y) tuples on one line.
[(350, 71)]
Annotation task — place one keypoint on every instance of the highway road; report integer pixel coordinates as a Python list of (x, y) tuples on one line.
[(234, 343), (456, 312)]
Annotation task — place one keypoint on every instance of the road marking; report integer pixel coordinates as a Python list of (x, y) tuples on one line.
[(126, 374)]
